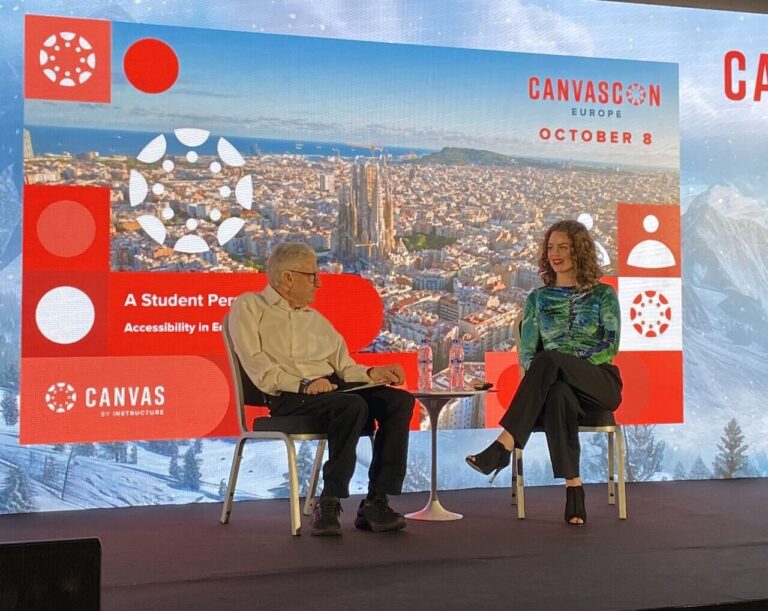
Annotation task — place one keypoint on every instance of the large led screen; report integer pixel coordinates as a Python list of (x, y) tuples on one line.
[(423, 177)]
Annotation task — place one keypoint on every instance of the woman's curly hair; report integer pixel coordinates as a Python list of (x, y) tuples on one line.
[(583, 255)]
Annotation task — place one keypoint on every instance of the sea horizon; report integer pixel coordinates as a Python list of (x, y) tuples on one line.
[(55, 139)]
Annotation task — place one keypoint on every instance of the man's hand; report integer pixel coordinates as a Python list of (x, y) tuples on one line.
[(391, 374), (321, 385)]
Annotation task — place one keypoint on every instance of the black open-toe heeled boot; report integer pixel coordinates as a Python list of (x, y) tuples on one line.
[(574, 505), (491, 460)]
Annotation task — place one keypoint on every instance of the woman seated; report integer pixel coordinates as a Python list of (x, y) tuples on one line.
[(569, 336)]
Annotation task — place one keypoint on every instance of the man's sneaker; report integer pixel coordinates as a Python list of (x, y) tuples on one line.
[(325, 517), (378, 516)]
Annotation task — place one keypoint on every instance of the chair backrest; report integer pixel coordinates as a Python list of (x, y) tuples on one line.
[(246, 392)]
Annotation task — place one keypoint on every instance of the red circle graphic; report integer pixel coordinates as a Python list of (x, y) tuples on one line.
[(66, 228), (151, 65)]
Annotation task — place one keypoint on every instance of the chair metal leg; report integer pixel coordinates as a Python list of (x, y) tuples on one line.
[(513, 487), (309, 502), (293, 482), (611, 466), (519, 481), (229, 498), (622, 487)]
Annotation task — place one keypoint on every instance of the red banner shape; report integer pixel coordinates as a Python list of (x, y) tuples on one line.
[(83, 399), (181, 313)]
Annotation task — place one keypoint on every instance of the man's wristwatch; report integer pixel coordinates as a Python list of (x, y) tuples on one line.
[(303, 385)]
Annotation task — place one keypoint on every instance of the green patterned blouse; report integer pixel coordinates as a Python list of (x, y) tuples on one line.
[(582, 322)]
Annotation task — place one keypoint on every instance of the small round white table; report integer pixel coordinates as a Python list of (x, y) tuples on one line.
[(434, 401)]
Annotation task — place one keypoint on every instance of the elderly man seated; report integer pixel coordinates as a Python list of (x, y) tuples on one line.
[(293, 354)]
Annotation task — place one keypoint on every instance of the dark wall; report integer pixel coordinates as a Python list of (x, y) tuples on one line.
[(742, 6)]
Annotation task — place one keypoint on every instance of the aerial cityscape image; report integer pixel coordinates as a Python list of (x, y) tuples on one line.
[(431, 172)]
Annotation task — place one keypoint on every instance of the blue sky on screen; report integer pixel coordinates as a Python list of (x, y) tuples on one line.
[(603, 29), (317, 89)]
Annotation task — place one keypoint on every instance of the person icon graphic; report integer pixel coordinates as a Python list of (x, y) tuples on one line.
[(602, 255), (651, 254)]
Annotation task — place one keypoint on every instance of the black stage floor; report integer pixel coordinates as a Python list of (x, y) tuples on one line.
[(684, 544)]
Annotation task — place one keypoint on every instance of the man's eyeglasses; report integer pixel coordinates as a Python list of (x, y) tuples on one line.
[(311, 275)]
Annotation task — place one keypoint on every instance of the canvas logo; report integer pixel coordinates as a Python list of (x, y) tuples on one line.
[(650, 313), (60, 397), (635, 94), (67, 59), (192, 226)]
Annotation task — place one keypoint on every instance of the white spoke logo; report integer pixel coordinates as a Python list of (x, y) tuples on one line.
[(60, 397), (67, 59), (650, 313), (156, 184)]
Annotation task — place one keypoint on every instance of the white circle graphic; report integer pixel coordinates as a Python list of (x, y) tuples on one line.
[(650, 223), (65, 315), (586, 219)]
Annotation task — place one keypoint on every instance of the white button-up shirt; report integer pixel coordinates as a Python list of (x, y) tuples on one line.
[(278, 345)]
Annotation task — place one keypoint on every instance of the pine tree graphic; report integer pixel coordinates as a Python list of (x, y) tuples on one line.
[(645, 455), (191, 471), (699, 470), (731, 460), (17, 496)]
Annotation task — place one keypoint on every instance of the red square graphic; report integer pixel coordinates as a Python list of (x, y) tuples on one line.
[(64, 314), (66, 228), (649, 240), (67, 59), (502, 369), (653, 387)]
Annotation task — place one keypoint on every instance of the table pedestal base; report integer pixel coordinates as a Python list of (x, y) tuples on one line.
[(434, 402), (434, 511)]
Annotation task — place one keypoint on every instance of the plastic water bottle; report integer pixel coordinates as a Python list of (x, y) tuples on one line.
[(424, 360), (456, 365)]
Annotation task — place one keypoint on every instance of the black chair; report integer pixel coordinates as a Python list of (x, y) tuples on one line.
[(287, 429), (592, 422)]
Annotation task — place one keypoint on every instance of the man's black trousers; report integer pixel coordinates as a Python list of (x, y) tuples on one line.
[(348, 415)]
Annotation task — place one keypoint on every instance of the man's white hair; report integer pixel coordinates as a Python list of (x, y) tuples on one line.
[(285, 256)]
